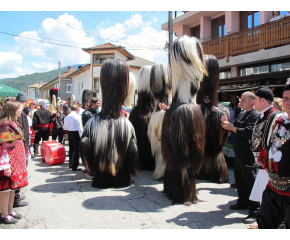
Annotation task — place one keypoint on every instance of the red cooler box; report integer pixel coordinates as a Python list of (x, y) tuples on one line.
[(44, 143), (54, 154)]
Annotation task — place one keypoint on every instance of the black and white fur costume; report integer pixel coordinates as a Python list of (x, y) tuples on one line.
[(214, 166), (183, 129), (108, 146), (140, 117), (162, 91)]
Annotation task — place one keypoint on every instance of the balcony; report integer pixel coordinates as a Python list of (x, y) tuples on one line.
[(265, 36)]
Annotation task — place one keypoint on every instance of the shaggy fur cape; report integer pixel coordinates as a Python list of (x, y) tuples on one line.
[(161, 90), (183, 130), (88, 95), (140, 117), (214, 166), (108, 145)]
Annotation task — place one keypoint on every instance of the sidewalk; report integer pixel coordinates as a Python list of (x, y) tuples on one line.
[(61, 199)]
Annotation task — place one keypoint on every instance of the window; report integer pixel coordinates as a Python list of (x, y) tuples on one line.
[(69, 88), (100, 58), (218, 27), (249, 19), (280, 67), (254, 70), (195, 32), (225, 74), (96, 84)]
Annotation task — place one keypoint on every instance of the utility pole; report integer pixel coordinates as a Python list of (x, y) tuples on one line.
[(170, 30), (38, 87), (59, 78)]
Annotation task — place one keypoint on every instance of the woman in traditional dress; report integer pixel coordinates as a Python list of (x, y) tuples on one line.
[(13, 156)]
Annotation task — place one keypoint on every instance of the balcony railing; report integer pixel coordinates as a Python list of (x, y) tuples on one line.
[(267, 35)]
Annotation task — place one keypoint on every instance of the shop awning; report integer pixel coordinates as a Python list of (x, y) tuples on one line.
[(8, 91)]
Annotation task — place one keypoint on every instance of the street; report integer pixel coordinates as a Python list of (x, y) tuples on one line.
[(61, 199)]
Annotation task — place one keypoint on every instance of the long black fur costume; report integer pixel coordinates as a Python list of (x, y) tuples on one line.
[(183, 130), (108, 146), (88, 95), (214, 166), (140, 117), (53, 91)]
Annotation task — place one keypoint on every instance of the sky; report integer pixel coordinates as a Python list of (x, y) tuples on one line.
[(47, 37), (35, 35)]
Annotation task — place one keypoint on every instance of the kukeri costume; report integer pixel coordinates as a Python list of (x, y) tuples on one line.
[(140, 117), (214, 167), (108, 145), (161, 90), (183, 129)]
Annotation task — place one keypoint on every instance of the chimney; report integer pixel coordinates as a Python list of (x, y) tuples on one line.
[(68, 69), (79, 66)]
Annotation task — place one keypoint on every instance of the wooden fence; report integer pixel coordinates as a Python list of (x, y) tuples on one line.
[(267, 35)]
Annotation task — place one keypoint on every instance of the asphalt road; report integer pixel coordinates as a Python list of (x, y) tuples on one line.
[(61, 199)]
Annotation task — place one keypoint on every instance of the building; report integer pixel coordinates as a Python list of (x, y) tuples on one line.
[(88, 77), (33, 90), (65, 87), (252, 47)]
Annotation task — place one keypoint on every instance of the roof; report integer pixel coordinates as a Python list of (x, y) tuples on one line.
[(36, 85), (109, 46), (8, 91), (138, 62), (79, 71), (51, 81)]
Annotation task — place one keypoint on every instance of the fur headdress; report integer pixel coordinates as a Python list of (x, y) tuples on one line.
[(114, 84), (88, 95), (187, 68), (209, 85), (144, 79), (160, 85), (53, 91)]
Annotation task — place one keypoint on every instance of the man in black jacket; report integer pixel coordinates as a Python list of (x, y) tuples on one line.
[(41, 122), (245, 175), (58, 120), (92, 111)]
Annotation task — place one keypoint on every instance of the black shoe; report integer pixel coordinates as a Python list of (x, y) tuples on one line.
[(17, 215), (78, 169), (238, 207), (22, 197), (8, 221), (250, 219), (233, 185), (20, 204)]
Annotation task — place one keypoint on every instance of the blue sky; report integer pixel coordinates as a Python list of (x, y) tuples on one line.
[(86, 23), (139, 31)]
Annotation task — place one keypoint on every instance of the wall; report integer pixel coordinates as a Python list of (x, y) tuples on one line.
[(63, 87), (84, 78)]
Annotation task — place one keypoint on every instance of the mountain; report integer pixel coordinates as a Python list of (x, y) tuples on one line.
[(22, 82)]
